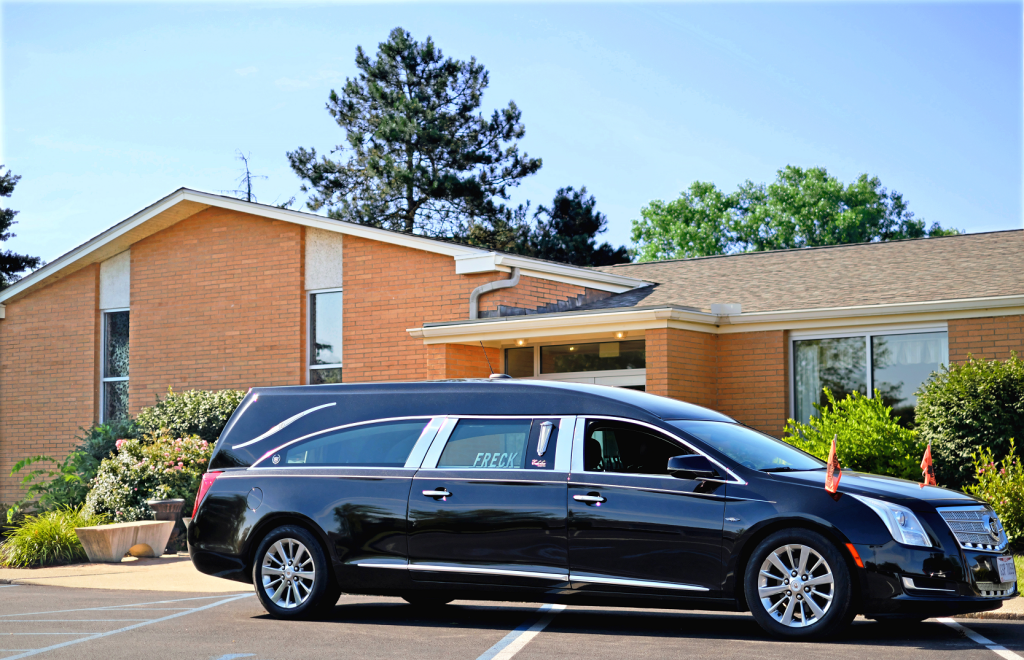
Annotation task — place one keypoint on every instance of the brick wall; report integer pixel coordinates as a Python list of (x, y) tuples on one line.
[(48, 372), (752, 381), (990, 338), (217, 301), (682, 364), (390, 288), (462, 361)]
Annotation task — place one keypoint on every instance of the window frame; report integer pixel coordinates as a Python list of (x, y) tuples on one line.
[(104, 379), (866, 333), (613, 377), (310, 367)]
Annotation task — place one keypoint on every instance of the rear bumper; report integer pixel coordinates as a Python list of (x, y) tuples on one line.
[(220, 565)]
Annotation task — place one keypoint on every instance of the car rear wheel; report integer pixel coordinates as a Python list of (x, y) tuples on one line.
[(291, 575), (798, 586)]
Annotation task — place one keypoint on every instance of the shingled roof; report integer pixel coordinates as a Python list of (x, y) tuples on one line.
[(919, 270)]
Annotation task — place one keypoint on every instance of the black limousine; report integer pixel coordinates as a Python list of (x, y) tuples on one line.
[(536, 491)]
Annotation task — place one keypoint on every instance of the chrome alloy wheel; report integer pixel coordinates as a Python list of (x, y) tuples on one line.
[(288, 573), (796, 586)]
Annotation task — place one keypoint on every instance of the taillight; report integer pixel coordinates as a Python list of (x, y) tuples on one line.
[(208, 480)]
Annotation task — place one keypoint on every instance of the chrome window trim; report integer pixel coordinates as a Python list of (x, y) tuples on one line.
[(419, 450), (480, 570), (909, 584), (563, 443), (284, 424), (590, 578), (441, 440), (277, 472), (502, 475), (273, 451), (577, 448)]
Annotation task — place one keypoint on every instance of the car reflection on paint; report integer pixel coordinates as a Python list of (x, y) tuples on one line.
[(573, 494)]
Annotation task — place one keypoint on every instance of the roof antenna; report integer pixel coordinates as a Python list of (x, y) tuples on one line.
[(487, 358)]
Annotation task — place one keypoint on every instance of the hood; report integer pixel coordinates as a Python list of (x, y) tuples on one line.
[(887, 488)]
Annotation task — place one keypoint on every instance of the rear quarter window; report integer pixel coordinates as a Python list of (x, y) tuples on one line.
[(487, 443), (384, 444)]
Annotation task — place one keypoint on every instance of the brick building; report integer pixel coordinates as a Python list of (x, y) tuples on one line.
[(203, 291)]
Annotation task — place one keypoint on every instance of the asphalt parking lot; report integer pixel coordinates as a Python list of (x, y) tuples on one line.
[(58, 622)]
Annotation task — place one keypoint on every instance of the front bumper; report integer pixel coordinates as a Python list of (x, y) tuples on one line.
[(930, 582)]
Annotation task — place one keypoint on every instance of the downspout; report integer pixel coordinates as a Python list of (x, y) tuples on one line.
[(474, 297)]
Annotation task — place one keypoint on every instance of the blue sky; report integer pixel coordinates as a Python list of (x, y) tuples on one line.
[(108, 107)]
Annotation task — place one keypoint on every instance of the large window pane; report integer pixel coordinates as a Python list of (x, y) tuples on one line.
[(325, 335), (324, 376), (901, 363), (115, 400), (116, 345), (838, 364), (487, 443), (519, 362), (379, 445), (570, 358)]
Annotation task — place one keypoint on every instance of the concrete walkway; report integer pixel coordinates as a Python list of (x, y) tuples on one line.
[(167, 573)]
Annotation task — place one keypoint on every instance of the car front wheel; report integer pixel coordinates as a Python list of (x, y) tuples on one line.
[(291, 576), (798, 586)]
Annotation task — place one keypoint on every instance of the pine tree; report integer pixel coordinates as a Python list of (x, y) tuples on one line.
[(11, 263), (567, 231)]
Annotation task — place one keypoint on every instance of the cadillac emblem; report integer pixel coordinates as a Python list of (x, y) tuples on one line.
[(277, 459), (992, 526)]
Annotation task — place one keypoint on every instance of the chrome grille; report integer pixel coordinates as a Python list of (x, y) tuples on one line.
[(975, 527)]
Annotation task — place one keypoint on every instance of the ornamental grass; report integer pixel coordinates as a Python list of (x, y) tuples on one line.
[(48, 539)]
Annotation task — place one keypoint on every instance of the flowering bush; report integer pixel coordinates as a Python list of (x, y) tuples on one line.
[(1001, 484), (157, 467)]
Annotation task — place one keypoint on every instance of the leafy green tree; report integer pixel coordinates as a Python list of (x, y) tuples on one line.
[(11, 263), (420, 157), (801, 208)]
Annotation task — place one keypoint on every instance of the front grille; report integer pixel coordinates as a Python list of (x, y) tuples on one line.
[(975, 527), (996, 589)]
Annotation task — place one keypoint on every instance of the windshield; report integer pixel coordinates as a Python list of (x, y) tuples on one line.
[(748, 447)]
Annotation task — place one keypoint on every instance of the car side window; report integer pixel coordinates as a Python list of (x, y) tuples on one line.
[(487, 443), (628, 448), (386, 444)]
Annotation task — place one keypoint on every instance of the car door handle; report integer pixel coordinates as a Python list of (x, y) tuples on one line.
[(589, 499), (440, 492)]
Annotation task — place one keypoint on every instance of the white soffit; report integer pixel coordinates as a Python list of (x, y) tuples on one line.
[(115, 281), (184, 203)]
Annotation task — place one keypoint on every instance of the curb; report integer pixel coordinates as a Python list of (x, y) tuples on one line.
[(999, 616)]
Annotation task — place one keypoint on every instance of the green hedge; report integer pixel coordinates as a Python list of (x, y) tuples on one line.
[(870, 438), (193, 412), (967, 408)]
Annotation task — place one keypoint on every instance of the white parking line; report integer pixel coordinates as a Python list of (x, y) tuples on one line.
[(93, 636), (1001, 651), (116, 607), (513, 642)]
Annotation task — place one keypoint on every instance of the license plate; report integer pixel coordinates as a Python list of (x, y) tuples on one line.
[(1007, 571)]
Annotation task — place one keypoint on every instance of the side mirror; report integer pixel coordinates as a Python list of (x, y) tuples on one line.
[(693, 466)]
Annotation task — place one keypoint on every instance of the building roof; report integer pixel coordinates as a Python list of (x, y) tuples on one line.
[(184, 203), (911, 271)]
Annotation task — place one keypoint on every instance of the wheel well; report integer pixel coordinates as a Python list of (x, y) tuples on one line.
[(274, 521), (792, 523)]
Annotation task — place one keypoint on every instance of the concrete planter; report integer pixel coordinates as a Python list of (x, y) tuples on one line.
[(169, 510), (109, 543)]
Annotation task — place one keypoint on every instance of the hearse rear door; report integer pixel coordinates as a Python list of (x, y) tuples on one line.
[(488, 505)]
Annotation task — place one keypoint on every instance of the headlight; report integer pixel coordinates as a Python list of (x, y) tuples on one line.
[(901, 521)]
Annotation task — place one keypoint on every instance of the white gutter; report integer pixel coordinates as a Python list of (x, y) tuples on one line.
[(628, 319)]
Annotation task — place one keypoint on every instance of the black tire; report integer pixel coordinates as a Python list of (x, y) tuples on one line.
[(427, 599), (299, 595), (811, 615)]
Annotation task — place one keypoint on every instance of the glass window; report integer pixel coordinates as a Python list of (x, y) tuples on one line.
[(749, 448), (325, 337), (375, 445), (901, 363), (571, 358), (839, 364), (114, 385), (519, 362), (487, 443), (611, 447)]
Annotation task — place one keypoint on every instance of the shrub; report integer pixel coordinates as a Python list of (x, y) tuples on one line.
[(48, 538), (1001, 484), (870, 438), (192, 412), (967, 407), (162, 468), (100, 441)]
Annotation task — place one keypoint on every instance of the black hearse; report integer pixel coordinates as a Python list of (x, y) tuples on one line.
[(580, 494)]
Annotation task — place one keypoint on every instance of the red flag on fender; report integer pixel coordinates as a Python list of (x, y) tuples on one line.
[(835, 471), (927, 469)]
